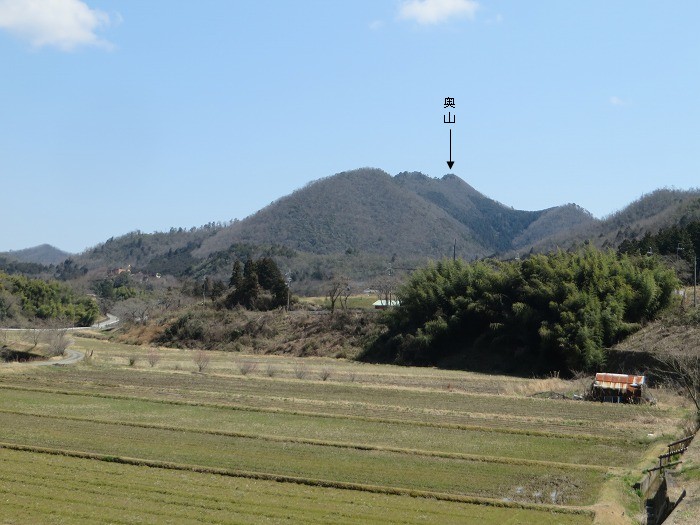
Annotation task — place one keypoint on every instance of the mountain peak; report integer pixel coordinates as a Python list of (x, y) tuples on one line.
[(368, 210)]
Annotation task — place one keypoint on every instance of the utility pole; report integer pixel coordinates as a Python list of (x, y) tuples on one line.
[(454, 251), (288, 279), (695, 282)]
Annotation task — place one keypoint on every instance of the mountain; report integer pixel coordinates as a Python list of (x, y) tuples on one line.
[(409, 215), (42, 254), (358, 222)]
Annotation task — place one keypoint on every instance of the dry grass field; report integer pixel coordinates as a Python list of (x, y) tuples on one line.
[(142, 435)]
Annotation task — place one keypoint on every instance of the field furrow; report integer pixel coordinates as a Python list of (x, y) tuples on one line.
[(281, 426), (374, 467), (85, 491)]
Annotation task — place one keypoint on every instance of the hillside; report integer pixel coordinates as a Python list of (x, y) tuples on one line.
[(138, 249), (368, 210), (43, 254), (358, 222), (651, 212)]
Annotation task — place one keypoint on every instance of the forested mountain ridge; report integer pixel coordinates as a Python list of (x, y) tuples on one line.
[(662, 208), (357, 222), (370, 211)]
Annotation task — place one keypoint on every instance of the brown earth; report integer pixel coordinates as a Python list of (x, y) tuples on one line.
[(296, 333)]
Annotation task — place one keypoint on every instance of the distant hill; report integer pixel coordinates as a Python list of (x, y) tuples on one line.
[(42, 254), (408, 215), (650, 213), (358, 222), (138, 249)]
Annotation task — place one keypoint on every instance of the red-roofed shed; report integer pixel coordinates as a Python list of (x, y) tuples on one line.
[(617, 388)]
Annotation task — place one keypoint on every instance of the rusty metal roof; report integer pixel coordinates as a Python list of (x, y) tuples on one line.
[(618, 381)]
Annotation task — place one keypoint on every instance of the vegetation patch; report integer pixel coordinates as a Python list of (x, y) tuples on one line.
[(547, 312)]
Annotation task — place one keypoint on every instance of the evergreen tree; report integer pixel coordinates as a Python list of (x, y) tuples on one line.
[(250, 288), (236, 275)]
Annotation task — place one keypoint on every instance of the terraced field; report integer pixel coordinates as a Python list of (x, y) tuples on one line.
[(107, 442)]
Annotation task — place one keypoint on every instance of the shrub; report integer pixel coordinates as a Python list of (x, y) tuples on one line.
[(245, 367), (300, 371)]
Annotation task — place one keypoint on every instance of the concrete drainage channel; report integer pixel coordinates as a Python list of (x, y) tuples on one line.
[(654, 486)]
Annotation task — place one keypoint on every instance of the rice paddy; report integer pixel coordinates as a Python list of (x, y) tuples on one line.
[(253, 439)]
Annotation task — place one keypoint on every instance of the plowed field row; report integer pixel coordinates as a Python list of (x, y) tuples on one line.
[(39, 488), (295, 427), (374, 467), (419, 405)]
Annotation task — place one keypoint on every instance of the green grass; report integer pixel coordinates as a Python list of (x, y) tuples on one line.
[(438, 407), (373, 467), (363, 301), (137, 444), (39, 488), (294, 427)]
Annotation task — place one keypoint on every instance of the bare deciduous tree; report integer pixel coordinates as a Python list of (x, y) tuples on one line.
[(153, 357), (246, 367), (33, 336), (58, 341), (300, 371), (335, 287), (682, 371), (201, 358), (344, 295), (134, 310), (386, 287)]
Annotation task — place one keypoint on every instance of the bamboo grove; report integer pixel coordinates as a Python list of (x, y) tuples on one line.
[(547, 312)]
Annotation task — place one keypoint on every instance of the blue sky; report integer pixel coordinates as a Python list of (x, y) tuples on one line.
[(133, 114)]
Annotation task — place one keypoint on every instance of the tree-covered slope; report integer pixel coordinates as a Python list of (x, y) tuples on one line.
[(652, 212), (364, 210), (28, 301), (546, 312), (410, 215), (43, 254)]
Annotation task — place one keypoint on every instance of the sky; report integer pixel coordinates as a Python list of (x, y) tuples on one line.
[(123, 115)]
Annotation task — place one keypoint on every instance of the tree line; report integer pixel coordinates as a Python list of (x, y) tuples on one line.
[(681, 240), (25, 299), (547, 312)]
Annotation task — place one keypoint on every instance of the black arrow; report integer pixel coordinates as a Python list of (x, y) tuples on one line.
[(450, 162)]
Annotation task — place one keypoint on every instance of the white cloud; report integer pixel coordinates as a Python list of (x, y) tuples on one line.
[(65, 24), (436, 11), (375, 25), (617, 101)]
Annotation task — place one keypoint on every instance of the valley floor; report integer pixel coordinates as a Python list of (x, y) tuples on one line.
[(139, 435)]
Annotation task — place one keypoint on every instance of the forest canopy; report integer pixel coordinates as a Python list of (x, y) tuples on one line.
[(547, 312), (23, 299)]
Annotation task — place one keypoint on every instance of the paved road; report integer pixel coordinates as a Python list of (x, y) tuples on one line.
[(111, 321), (70, 356)]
